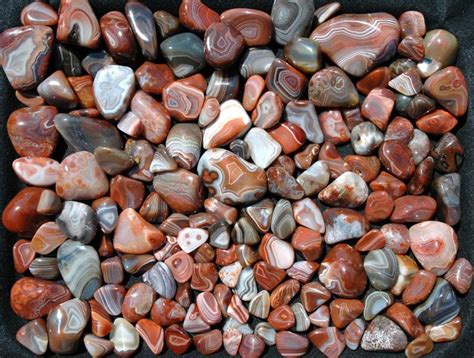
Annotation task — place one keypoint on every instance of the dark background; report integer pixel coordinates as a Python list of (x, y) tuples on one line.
[(453, 15)]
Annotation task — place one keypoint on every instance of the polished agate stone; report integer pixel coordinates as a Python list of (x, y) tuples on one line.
[(184, 144), (381, 267), (82, 86), (329, 340), (80, 178), (412, 47), (449, 88), (223, 85), (304, 54), (289, 135), (142, 23), (113, 89), (23, 255), (183, 102), (343, 224), (65, 324), (435, 245), (285, 80), (256, 61), (366, 138), (291, 19), (82, 282), (184, 53), (32, 132), (209, 112), (445, 332), (127, 192), (448, 153), (125, 337), (181, 189), (153, 77), (323, 93), (303, 114), (441, 46), (397, 158), (78, 221), (57, 91), (45, 268), (263, 148), (254, 25), (378, 106), (118, 37), (222, 44), (371, 37), (166, 23), (39, 13), (26, 51), (77, 24), (348, 190), (20, 215), (95, 61), (342, 272), (378, 78), (196, 16), (34, 336)]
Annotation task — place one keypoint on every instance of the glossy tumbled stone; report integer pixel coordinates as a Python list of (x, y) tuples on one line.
[(36, 171), (223, 85), (263, 148), (378, 78), (365, 40), (127, 192), (342, 272), (304, 54), (34, 336), (65, 324), (32, 298), (26, 51), (83, 282), (57, 91), (397, 158), (348, 190), (118, 37), (113, 89), (182, 190), (223, 183), (460, 275), (446, 189), (39, 13), (378, 106), (183, 102), (23, 255), (256, 61), (160, 278), (291, 19), (323, 93), (138, 302), (413, 209), (20, 215), (32, 132), (254, 25), (379, 206), (47, 238), (184, 53), (285, 80), (344, 224), (435, 245), (329, 340), (268, 109), (125, 337), (134, 235), (448, 153), (440, 307), (445, 332), (441, 46), (78, 221), (222, 44), (419, 287), (142, 23), (381, 267), (77, 24), (80, 178), (449, 88)]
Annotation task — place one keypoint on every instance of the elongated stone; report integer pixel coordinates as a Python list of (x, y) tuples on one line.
[(23, 254), (82, 133), (142, 23), (83, 282), (373, 38), (36, 171), (445, 332), (118, 37)]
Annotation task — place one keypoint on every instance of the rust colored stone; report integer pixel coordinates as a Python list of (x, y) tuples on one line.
[(344, 311), (379, 206), (282, 318), (419, 288), (405, 318), (268, 276)]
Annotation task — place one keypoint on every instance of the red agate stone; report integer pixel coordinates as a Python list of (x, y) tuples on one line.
[(196, 16)]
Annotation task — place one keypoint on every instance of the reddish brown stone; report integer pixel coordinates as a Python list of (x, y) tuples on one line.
[(373, 240), (405, 318), (196, 16), (226, 257), (291, 344), (205, 253), (421, 180), (388, 183), (290, 136), (138, 301), (204, 277), (177, 339), (437, 122), (153, 77), (344, 311), (334, 128), (366, 167), (379, 206), (152, 334), (313, 295), (308, 242), (419, 288), (397, 159), (20, 215), (399, 129), (284, 293), (413, 209), (268, 276), (330, 341), (252, 346), (23, 255), (166, 312), (282, 318), (127, 192), (223, 296), (32, 298), (197, 80), (209, 342), (329, 155), (376, 78)]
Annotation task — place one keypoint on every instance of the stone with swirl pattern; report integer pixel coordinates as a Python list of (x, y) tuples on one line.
[(358, 42), (118, 37), (223, 44), (255, 25), (286, 81)]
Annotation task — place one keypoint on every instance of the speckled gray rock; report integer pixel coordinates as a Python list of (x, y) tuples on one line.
[(383, 335)]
